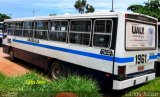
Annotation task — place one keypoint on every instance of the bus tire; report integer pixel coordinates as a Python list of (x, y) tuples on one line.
[(11, 55), (58, 70)]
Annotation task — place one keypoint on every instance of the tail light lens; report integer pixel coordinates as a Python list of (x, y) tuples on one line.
[(121, 69), (121, 72)]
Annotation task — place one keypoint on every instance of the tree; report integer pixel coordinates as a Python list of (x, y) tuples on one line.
[(151, 8), (82, 6), (4, 16), (89, 8)]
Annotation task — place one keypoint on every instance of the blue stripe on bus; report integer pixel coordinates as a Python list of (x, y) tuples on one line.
[(1, 34), (102, 57), (158, 54), (153, 57), (121, 60)]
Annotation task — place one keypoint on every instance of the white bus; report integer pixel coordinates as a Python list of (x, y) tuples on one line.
[(1, 35), (118, 48)]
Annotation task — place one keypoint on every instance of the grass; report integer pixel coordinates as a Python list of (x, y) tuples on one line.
[(34, 85), (150, 89)]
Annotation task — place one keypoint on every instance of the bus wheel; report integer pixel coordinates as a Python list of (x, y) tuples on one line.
[(57, 70), (11, 55)]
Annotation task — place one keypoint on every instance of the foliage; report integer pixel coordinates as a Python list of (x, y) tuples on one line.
[(4, 16), (149, 88), (82, 6), (151, 8), (33, 85)]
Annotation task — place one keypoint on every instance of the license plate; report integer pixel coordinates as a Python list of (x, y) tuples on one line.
[(140, 68)]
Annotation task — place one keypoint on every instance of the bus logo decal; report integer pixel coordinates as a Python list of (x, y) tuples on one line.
[(106, 52), (137, 30)]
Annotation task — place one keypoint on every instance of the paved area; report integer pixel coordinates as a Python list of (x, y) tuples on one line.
[(9, 68)]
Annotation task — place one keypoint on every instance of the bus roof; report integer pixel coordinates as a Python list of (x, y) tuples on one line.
[(76, 16)]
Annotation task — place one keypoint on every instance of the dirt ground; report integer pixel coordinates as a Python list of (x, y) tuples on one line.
[(9, 68)]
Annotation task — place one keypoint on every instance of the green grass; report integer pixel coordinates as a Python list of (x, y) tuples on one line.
[(150, 89), (33, 85)]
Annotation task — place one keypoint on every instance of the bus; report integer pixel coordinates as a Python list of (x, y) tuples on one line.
[(1, 35), (119, 49)]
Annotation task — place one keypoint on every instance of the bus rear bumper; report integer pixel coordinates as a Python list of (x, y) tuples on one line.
[(119, 85)]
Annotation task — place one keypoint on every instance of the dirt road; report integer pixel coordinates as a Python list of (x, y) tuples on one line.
[(9, 68)]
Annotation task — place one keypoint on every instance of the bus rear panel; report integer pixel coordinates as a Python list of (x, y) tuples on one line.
[(135, 55)]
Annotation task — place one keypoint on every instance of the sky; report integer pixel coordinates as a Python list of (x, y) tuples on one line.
[(28, 8)]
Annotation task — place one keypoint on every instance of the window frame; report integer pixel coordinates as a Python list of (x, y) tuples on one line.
[(10, 28), (68, 27), (29, 29), (5, 28), (90, 33), (111, 33), (47, 38), (18, 28)]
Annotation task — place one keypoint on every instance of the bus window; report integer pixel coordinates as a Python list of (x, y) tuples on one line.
[(58, 31), (28, 29), (1, 26), (80, 32), (18, 28), (41, 30), (10, 28), (102, 33), (5, 27)]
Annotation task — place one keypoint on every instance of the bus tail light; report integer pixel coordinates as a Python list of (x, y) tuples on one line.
[(121, 72), (121, 69)]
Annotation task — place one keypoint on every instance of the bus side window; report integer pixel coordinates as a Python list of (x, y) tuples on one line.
[(102, 33), (10, 28), (41, 30), (28, 29), (5, 28), (80, 32), (18, 28), (58, 31), (1, 26)]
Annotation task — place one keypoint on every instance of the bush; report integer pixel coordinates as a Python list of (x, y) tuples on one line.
[(34, 85)]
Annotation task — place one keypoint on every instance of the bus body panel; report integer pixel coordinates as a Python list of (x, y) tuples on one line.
[(71, 53), (119, 85)]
